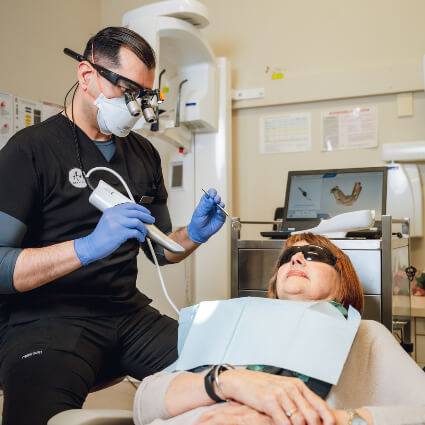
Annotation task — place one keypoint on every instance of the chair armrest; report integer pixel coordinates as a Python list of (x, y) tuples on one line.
[(93, 417)]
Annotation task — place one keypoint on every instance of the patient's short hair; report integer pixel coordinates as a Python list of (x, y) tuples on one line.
[(350, 291)]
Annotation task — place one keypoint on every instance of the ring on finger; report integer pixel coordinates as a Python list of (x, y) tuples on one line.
[(291, 412)]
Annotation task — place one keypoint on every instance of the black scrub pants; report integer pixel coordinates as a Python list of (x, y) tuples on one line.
[(49, 365)]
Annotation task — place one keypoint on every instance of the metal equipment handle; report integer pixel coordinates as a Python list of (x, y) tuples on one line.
[(177, 124)]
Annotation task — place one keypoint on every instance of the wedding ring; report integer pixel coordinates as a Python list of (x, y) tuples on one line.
[(291, 412)]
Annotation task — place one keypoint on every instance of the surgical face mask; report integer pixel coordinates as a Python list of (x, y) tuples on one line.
[(113, 116)]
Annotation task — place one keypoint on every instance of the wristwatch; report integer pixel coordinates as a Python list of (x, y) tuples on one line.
[(354, 418)]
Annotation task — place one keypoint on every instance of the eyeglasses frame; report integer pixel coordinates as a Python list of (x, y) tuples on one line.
[(113, 77)]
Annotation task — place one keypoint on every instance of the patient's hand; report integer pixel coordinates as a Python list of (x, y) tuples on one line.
[(232, 414), (274, 395)]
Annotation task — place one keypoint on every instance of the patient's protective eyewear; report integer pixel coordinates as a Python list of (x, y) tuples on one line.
[(311, 253)]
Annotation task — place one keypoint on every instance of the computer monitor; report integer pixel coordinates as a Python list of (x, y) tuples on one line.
[(320, 194)]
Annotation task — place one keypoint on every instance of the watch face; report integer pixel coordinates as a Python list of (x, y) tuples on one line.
[(358, 420)]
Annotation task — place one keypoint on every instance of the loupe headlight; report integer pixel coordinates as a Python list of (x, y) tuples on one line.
[(149, 107)]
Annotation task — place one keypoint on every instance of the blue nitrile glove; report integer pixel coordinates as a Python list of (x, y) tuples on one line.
[(207, 218), (116, 226)]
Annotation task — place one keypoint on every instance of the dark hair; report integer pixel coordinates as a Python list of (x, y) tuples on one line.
[(106, 45), (350, 291)]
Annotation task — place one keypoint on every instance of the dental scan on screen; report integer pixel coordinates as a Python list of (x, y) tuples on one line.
[(327, 195)]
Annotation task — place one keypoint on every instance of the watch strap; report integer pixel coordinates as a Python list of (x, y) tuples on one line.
[(208, 383), (218, 369)]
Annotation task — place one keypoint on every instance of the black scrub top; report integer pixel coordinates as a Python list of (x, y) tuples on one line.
[(41, 186)]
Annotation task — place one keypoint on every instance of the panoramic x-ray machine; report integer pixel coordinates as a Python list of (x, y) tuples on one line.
[(193, 136)]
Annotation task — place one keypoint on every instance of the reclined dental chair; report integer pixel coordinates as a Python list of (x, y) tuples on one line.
[(366, 337)]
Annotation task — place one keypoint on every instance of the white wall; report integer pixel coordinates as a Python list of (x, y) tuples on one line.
[(33, 35), (325, 49), (254, 171)]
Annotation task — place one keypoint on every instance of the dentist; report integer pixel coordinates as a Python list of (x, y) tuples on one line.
[(70, 313)]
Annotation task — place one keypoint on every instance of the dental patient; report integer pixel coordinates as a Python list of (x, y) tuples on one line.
[(379, 383)]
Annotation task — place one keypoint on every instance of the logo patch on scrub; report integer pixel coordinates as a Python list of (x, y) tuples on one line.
[(34, 353), (76, 178)]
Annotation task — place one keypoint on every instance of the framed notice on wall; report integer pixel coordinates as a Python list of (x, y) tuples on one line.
[(351, 128), (285, 133)]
